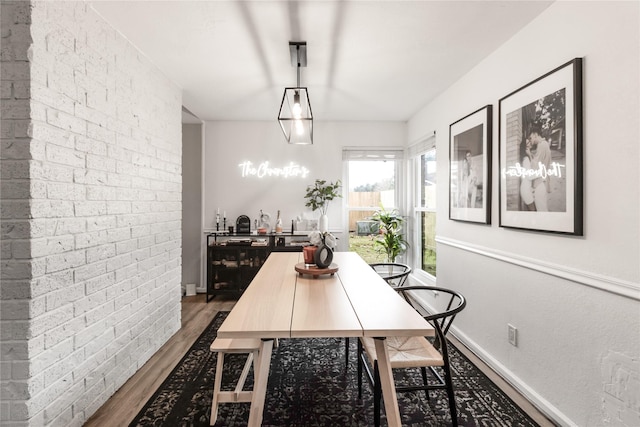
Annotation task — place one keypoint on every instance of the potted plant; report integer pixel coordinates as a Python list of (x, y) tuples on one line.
[(318, 197), (391, 236)]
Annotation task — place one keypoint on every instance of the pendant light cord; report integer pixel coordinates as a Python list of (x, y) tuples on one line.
[(298, 58)]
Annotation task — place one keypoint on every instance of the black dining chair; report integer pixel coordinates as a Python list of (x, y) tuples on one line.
[(394, 273), (416, 352)]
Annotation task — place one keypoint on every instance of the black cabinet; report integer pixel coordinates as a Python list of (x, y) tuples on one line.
[(234, 260)]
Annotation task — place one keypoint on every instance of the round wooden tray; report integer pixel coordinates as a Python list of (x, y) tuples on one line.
[(303, 268)]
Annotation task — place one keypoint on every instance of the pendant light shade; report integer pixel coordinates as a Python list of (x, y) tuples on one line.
[(295, 116)]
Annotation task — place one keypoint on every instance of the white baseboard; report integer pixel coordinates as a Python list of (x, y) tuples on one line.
[(531, 395)]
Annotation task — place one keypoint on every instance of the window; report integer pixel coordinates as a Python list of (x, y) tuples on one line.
[(424, 157), (372, 180)]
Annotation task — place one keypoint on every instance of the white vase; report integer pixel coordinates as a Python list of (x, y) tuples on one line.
[(323, 223)]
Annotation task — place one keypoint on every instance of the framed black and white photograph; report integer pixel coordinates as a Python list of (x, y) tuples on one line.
[(540, 153), (470, 167)]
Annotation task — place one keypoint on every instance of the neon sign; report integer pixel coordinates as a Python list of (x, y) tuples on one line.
[(555, 169), (264, 169)]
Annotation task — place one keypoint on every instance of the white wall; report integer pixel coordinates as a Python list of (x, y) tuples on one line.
[(91, 212), (228, 144), (574, 300)]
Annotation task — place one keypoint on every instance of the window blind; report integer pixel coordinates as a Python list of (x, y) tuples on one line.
[(422, 146), (372, 154)]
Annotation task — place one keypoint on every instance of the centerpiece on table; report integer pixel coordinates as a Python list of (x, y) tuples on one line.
[(325, 244), (318, 256)]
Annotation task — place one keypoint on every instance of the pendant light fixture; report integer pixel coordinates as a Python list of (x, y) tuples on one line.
[(295, 117)]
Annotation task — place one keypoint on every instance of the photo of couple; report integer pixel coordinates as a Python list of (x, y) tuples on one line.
[(536, 177), (540, 153), (468, 181), (470, 163)]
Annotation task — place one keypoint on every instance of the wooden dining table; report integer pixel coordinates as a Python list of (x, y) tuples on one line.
[(353, 302)]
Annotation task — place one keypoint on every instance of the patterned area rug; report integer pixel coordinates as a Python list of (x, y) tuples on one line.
[(309, 385)]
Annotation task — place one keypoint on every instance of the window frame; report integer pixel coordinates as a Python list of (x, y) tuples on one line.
[(416, 152), (395, 154)]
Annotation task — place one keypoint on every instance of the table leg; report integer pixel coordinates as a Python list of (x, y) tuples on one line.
[(261, 376), (388, 387)]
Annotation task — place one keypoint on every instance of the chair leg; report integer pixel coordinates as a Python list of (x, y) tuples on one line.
[(423, 371), (452, 398), (377, 394), (359, 353), (346, 351), (216, 389)]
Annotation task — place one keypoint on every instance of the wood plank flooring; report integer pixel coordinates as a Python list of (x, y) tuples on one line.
[(123, 406)]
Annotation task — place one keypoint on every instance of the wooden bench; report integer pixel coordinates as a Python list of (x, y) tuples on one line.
[(224, 346)]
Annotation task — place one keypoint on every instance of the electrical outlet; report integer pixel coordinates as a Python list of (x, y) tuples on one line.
[(513, 335)]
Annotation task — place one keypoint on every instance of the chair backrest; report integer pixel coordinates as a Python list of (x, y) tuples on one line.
[(453, 301), (394, 273)]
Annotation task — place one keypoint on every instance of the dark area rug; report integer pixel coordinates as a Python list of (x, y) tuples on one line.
[(309, 385)]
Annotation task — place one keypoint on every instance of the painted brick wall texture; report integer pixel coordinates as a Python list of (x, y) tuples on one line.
[(91, 212)]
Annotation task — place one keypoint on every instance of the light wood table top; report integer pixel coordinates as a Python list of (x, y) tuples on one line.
[(264, 310), (280, 303), (382, 312)]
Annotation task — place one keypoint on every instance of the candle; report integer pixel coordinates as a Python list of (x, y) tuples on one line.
[(224, 214), (218, 211)]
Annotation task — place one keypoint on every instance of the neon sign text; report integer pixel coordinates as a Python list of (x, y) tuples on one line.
[(292, 170), (555, 169)]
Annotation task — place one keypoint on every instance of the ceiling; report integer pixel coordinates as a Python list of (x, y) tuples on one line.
[(367, 60)]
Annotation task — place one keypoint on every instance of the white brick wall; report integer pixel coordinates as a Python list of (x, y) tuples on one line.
[(15, 265), (91, 212)]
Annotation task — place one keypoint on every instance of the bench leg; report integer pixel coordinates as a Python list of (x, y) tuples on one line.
[(216, 389), (244, 374), (260, 385)]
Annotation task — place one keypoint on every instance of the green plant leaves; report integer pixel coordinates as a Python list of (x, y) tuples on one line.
[(392, 239), (321, 193)]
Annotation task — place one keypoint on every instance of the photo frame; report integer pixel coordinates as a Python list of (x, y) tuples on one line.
[(470, 167), (540, 153)]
